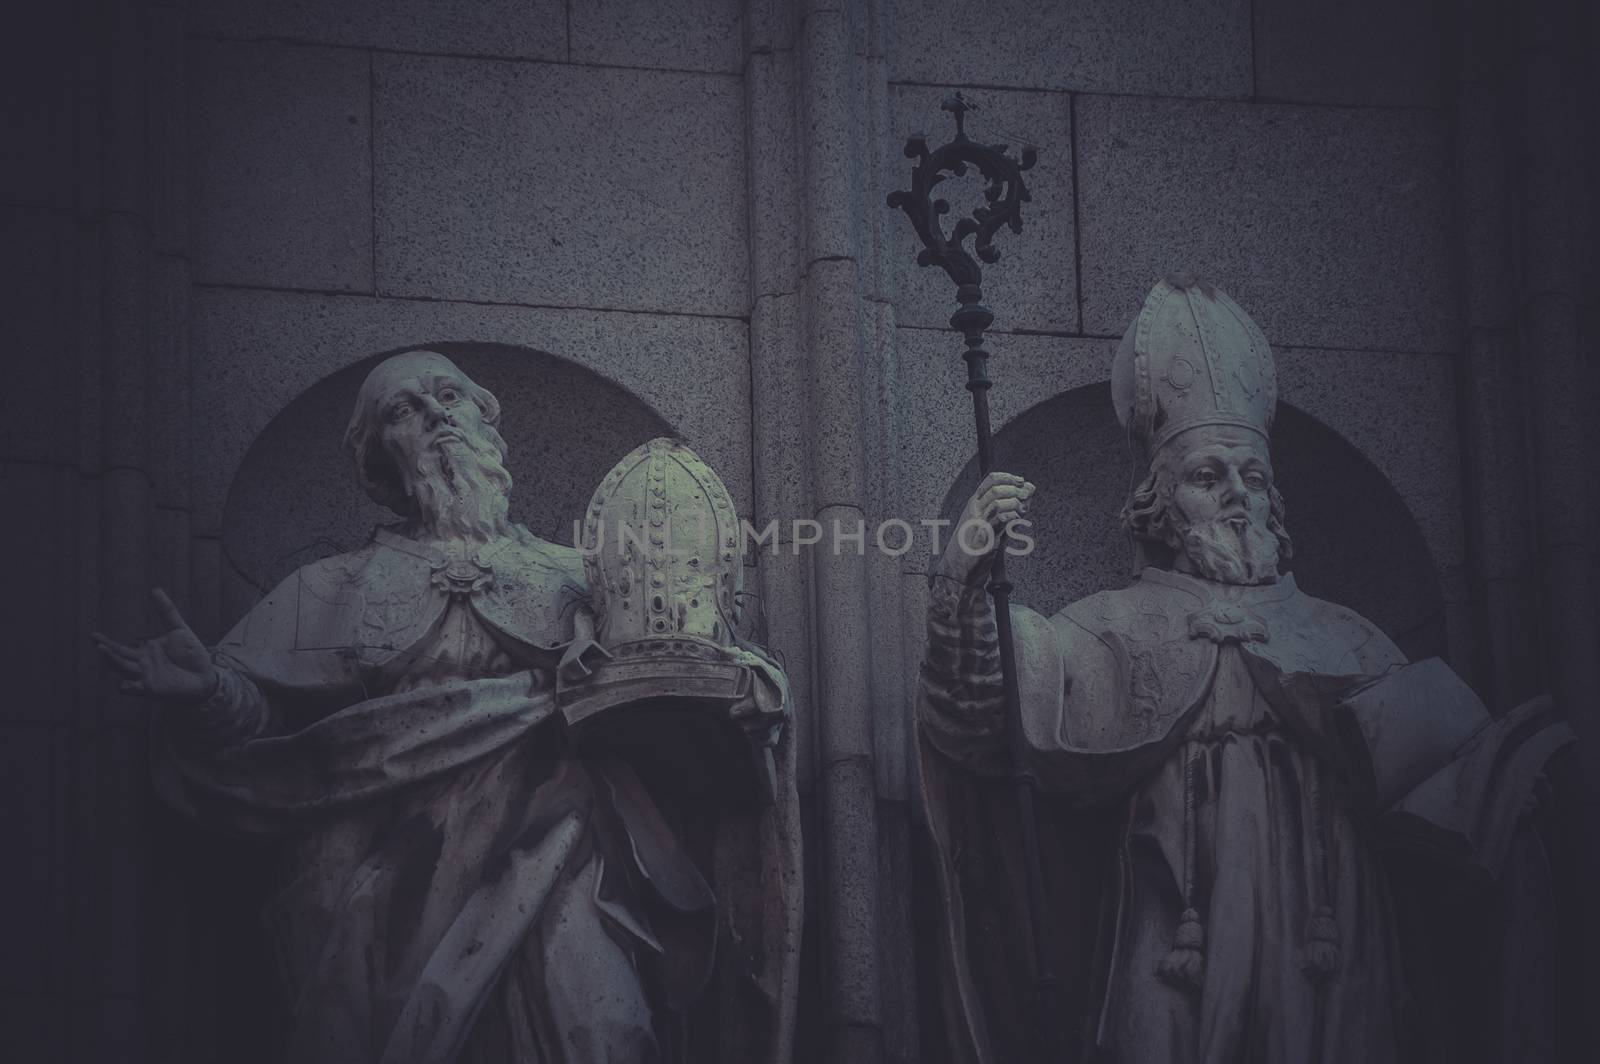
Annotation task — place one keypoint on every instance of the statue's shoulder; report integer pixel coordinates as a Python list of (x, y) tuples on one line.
[(340, 600), (536, 589), (531, 556), (336, 578), (1146, 609), (1348, 641)]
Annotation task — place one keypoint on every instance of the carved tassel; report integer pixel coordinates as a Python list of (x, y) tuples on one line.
[(1185, 966), (1319, 958)]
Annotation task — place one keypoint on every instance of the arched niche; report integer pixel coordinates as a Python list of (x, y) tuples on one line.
[(1355, 541), (295, 498)]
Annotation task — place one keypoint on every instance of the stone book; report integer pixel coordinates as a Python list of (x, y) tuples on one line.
[(1438, 771), (1398, 730), (1467, 811)]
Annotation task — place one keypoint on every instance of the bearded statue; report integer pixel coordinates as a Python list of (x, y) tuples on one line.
[(463, 879), (1237, 759)]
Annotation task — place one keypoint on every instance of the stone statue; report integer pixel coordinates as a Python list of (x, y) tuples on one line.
[(471, 873), (1252, 753)]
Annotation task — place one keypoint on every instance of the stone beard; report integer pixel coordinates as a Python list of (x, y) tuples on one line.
[(460, 488)]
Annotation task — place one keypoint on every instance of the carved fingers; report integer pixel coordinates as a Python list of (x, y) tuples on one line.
[(174, 665), (167, 611), (124, 660), (1000, 499)]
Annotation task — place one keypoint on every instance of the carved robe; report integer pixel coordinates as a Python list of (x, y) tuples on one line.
[(460, 884), (1249, 917)]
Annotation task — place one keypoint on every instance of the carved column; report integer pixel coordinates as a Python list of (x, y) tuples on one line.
[(1494, 448), (1525, 152), (813, 362), (1556, 319), (96, 469)]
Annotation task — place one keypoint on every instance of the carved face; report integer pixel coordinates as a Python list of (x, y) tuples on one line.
[(1220, 484), (1224, 474), (424, 440), (423, 402)]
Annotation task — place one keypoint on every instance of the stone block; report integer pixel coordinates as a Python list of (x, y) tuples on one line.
[(769, 26), (831, 91), (121, 243), (775, 217), (256, 352), (41, 279), (112, 850), (168, 79), (170, 444), (1034, 285), (781, 397), (170, 565), (880, 225), (282, 167), (897, 925), (1400, 412), (1365, 52), (835, 365), (850, 876), (933, 412), (843, 632), (891, 718), (527, 29), (30, 920), (561, 186), (1159, 47), (43, 97), (35, 1026), (682, 35), (103, 1026), (1493, 412), (205, 581), (43, 547), (1330, 227)]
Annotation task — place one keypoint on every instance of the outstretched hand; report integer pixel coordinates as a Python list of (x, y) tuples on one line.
[(174, 666)]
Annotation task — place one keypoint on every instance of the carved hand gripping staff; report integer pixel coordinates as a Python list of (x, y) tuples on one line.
[(1004, 194)]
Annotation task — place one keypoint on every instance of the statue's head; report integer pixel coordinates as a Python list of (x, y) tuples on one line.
[(1195, 387), (1208, 506), (425, 445)]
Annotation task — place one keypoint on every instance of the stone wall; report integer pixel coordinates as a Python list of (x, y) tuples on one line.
[(645, 216)]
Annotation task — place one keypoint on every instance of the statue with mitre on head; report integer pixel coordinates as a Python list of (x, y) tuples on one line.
[(1248, 755)]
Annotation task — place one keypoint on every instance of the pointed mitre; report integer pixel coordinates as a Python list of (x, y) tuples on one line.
[(1191, 358), (675, 570), (663, 556)]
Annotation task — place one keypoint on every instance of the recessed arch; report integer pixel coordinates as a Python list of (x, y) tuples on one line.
[(1356, 541)]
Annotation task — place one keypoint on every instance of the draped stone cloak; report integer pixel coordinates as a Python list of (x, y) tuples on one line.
[(1159, 702), (389, 715)]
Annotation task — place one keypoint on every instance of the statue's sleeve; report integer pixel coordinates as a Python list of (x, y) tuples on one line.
[(962, 707), (235, 713), (276, 668)]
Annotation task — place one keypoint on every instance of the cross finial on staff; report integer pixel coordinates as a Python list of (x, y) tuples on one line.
[(1003, 196), (958, 105)]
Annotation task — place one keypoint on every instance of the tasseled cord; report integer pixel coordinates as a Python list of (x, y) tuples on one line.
[(1185, 966), (1319, 958)]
